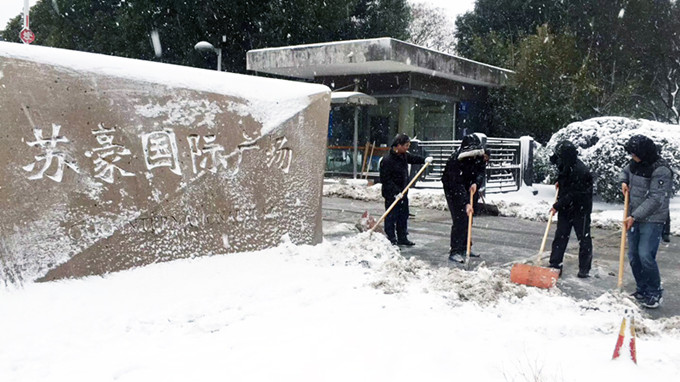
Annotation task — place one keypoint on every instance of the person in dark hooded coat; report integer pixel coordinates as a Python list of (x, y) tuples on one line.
[(649, 180), (464, 173), (574, 206)]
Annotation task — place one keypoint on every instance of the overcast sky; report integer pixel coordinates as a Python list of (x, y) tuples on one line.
[(452, 7), (11, 8)]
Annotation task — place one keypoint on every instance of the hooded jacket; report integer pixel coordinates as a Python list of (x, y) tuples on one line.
[(575, 180), (650, 181), (465, 166)]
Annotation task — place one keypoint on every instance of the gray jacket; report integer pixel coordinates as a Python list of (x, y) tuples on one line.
[(649, 197)]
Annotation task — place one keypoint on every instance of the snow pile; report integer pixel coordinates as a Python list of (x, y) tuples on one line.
[(352, 189), (395, 274), (601, 147), (360, 190), (348, 310)]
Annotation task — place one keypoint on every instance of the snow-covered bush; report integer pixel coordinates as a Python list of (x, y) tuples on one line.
[(601, 141), (544, 171)]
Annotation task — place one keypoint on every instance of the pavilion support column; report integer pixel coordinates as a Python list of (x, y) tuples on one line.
[(406, 116)]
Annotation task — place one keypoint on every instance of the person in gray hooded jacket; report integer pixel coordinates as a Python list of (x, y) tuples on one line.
[(648, 179)]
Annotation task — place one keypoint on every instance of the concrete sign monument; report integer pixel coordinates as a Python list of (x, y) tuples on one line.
[(108, 163)]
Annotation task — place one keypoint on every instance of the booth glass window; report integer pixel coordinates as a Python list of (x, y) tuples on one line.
[(383, 120), (434, 120)]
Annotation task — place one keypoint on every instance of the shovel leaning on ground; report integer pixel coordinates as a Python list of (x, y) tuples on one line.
[(535, 275), (399, 197)]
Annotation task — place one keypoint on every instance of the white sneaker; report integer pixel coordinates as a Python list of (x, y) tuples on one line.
[(457, 258)]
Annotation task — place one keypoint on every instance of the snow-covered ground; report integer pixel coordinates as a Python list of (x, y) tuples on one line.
[(348, 310), (523, 203), (351, 310)]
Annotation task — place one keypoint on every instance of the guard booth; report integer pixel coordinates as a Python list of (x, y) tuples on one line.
[(429, 95)]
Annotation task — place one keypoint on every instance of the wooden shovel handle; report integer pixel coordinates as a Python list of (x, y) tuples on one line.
[(547, 230), (469, 230), (622, 250), (399, 197)]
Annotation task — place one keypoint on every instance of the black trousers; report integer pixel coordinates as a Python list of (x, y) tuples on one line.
[(581, 224), (456, 199), (397, 217)]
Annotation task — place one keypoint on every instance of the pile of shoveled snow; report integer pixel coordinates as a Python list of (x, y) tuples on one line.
[(391, 273), (352, 189)]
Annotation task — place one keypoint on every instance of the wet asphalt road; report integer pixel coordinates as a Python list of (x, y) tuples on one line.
[(502, 240)]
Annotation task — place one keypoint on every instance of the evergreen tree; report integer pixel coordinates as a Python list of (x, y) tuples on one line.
[(534, 107), (124, 28), (623, 50)]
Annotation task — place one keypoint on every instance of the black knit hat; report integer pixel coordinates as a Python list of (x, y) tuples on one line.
[(643, 147)]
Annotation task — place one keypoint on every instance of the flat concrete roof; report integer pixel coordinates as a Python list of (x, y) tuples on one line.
[(372, 56)]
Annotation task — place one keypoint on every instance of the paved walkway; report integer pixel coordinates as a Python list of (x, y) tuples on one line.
[(501, 241)]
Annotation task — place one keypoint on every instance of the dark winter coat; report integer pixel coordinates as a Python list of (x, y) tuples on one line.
[(575, 181), (465, 167), (394, 172), (650, 182)]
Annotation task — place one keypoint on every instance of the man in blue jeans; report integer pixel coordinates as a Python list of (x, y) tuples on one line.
[(648, 179)]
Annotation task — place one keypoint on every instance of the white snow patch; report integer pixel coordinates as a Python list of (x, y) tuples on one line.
[(184, 112), (353, 302), (280, 102)]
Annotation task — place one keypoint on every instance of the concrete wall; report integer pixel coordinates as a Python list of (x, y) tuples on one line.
[(109, 163)]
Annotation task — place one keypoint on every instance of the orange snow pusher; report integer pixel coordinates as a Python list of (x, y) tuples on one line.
[(535, 275)]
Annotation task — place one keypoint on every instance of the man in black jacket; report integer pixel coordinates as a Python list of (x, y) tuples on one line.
[(574, 205), (394, 178), (464, 174)]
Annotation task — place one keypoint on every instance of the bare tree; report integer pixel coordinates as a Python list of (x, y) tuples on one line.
[(432, 28)]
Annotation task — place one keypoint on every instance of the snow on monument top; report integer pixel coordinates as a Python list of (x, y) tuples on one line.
[(270, 101)]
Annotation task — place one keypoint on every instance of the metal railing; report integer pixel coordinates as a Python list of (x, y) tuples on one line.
[(503, 171)]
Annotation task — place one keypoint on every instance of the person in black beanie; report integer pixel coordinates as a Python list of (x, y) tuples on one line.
[(394, 178), (648, 179), (574, 206), (464, 174)]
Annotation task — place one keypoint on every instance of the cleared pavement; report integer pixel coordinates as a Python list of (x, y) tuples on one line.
[(502, 240)]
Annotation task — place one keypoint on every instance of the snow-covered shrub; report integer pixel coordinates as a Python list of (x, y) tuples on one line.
[(601, 141), (544, 171)]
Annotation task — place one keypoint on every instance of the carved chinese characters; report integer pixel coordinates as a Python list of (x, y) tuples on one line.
[(121, 163)]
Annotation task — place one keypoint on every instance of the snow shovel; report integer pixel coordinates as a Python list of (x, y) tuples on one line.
[(535, 275), (469, 235), (488, 208), (399, 197), (622, 251)]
